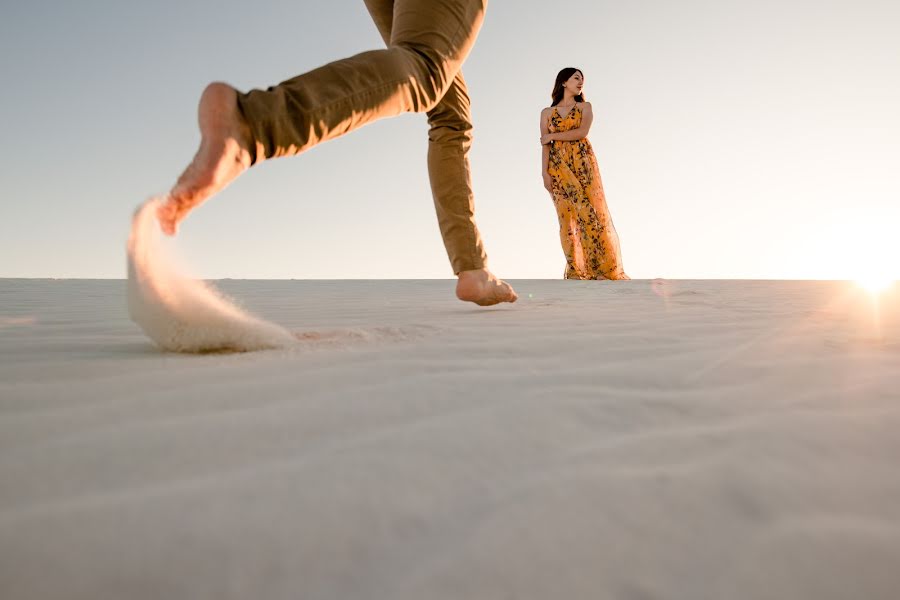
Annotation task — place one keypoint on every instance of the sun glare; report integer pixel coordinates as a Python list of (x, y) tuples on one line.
[(875, 284), (870, 257)]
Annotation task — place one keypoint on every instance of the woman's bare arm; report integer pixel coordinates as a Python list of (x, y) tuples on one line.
[(545, 149)]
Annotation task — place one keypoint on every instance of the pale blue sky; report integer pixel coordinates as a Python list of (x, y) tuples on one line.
[(735, 139)]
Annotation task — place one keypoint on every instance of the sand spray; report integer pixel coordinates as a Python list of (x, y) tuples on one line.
[(180, 313)]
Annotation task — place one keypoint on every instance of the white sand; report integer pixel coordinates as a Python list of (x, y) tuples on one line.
[(627, 440)]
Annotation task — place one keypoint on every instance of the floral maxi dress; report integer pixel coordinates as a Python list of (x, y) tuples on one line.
[(588, 237)]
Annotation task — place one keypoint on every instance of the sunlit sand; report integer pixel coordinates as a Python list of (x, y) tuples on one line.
[(637, 439)]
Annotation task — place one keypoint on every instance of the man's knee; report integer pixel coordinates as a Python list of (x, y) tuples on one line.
[(451, 119), (432, 74), (459, 132)]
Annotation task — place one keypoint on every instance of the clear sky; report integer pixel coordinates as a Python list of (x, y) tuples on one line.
[(735, 139)]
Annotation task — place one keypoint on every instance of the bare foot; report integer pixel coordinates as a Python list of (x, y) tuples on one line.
[(483, 288), (223, 155)]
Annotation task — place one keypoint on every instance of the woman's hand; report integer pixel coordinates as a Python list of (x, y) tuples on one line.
[(548, 182), (546, 139)]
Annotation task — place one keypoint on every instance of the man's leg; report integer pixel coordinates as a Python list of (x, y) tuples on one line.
[(449, 140), (428, 44), (430, 41)]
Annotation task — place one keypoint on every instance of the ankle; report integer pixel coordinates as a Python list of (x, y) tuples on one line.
[(248, 154), (474, 273)]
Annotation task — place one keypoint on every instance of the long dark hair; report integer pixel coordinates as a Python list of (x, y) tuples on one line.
[(561, 78)]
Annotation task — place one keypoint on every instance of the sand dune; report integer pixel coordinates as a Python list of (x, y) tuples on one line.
[(628, 440)]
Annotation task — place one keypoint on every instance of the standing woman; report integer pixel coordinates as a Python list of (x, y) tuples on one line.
[(572, 177)]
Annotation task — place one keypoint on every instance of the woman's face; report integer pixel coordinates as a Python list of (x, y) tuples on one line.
[(575, 83)]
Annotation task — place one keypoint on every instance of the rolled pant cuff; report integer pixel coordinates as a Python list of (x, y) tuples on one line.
[(472, 264)]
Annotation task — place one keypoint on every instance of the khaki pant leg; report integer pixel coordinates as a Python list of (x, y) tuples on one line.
[(429, 42), (449, 140)]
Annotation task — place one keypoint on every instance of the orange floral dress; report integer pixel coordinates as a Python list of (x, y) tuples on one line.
[(589, 239)]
